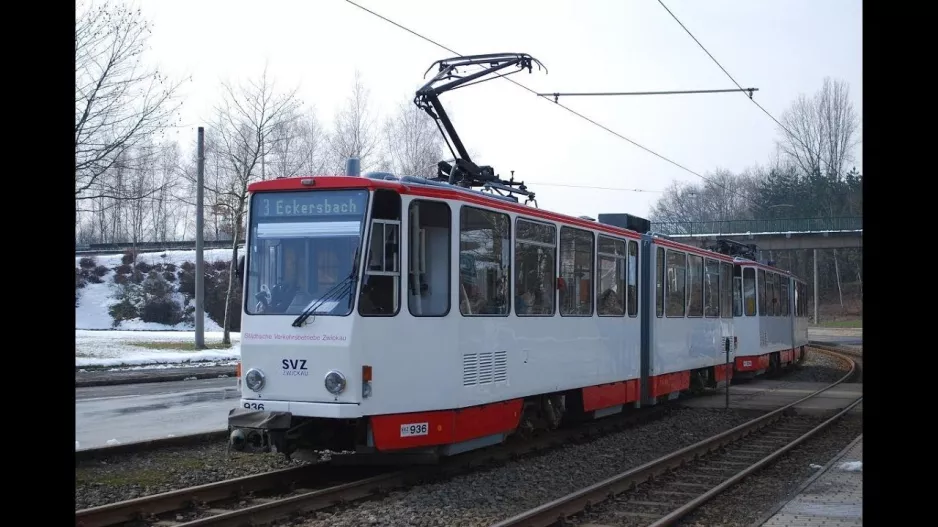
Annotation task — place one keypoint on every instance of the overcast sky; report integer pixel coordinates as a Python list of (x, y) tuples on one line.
[(783, 48)]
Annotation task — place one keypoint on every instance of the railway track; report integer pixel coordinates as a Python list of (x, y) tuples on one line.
[(267, 497), (667, 489)]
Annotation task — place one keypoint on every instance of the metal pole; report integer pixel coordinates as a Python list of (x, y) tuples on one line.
[(727, 375), (199, 258), (815, 287)]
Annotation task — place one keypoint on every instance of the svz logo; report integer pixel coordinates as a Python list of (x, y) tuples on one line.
[(294, 367)]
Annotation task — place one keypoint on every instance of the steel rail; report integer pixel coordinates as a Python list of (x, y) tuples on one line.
[(558, 510)]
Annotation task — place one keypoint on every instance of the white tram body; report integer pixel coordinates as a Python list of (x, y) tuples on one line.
[(770, 312), (404, 315)]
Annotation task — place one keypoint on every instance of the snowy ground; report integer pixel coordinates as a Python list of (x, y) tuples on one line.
[(95, 299), (116, 349), (99, 344)]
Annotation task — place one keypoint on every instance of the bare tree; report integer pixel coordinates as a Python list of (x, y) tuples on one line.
[(243, 126), (413, 141), (313, 147), (355, 132), (823, 131), (118, 101), (286, 147)]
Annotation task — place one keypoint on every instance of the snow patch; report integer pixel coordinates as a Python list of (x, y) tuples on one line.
[(851, 466)]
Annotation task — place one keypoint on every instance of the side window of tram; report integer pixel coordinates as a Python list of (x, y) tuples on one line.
[(610, 285), (760, 290), (659, 285), (712, 288), (430, 238), (737, 291), (783, 297), (694, 285), (576, 272), (484, 262), (677, 269), (632, 299), (749, 290), (380, 289), (535, 260), (726, 290)]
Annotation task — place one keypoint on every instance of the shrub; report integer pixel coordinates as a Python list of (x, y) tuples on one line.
[(100, 271), (79, 279), (137, 277), (216, 289), (143, 267), (171, 267), (169, 276), (161, 311), (95, 279), (128, 257), (220, 265), (121, 279), (123, 310), (187, 282), (187, 266), (123, 269), (87, 262)]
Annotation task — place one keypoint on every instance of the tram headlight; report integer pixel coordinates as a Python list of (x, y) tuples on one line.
[(254, 379), (335, 382)]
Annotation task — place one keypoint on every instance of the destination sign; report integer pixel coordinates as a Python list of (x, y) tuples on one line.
[(310, 204)]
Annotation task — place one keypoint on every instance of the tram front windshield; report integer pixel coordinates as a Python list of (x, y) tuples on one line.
[(303, 250)]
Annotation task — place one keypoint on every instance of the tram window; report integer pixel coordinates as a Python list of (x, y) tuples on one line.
[(726, 290), (749, 290), (677, 270), (380, 289), (576, 272), (484, 262), (737, 291), (429, 255), (610, 286), (535, 257), (773, 295), (777, 283), (769, 298), (659, 282), (783, 297), (632, 299), (694, 285), (760, 290), (712, 288)]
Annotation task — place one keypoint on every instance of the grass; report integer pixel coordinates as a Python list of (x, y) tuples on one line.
[(105, 475), (176, 345)]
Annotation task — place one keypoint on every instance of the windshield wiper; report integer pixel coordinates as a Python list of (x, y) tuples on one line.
[(337, 291)]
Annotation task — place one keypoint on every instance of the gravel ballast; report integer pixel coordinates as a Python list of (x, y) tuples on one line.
[(99, 482), (123, 477), (757, 495), (487, 496)]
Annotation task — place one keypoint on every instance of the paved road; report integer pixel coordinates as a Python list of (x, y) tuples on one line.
[(137, 412)]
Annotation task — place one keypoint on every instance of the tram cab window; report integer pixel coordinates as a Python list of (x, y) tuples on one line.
[(783, 297), (380, 288), (304, 251), (429, 225), (726, 290)]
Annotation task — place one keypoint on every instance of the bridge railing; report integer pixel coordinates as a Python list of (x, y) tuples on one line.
[(759, 226)]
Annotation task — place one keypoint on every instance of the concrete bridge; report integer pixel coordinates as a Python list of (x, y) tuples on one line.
[(770, 235)]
